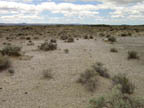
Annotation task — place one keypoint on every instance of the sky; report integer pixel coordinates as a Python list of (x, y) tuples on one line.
[(114, 12)]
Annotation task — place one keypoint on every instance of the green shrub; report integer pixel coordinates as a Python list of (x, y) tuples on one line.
[(101, 70), (88, 79), (4, 62), (11, 50), (133, 55), (117, 100), (122, 80), (48, 46)]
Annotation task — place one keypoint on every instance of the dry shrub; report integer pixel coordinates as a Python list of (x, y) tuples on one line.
[(4, 62), (64, 37), (101, 34), (47, 74), (88, 79), (86, 37), (114, 50), (11, 71), (112, 39), (91, 37), (11, 50), (53, 40), (101, 70), (125, 85), (133, 55), (66, 51), (70, 39), (48, 46)]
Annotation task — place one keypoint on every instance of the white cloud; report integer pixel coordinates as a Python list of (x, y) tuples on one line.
[(111, 1), (12, 10)]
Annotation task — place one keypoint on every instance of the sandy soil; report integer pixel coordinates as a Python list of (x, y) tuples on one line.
[(27, 88)]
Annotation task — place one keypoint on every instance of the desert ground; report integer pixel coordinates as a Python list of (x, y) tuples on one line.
[(27, 87)]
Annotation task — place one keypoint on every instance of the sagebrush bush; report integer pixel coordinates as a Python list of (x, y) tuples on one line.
[(4, 62), (101, 70), (11, 50), (88, 79), (114, 50), (133, 55), (48, 46), (116, 99), (127, 87)]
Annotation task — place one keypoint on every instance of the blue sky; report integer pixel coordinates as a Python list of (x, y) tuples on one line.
[(72, 11)]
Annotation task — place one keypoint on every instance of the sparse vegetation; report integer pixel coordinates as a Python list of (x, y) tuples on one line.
[(112, 39), (101, 70), (11, 50), (89, 79), (70, 39), (133, 55), (64, 37), (66, 51), (114, 50), (47, 74), (116, 99), (11, 71), (48, 46), (86, 37), (91, 37), (4, 62), (53, 41), (125, 85)]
